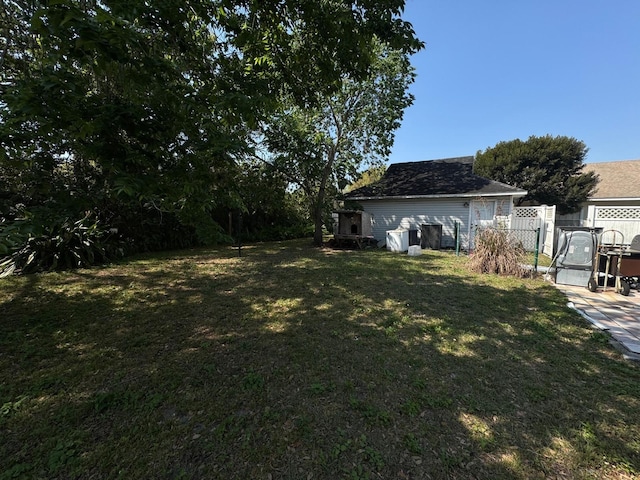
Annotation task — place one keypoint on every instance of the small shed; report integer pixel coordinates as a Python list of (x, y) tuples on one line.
[(353, 226), (354, 222)]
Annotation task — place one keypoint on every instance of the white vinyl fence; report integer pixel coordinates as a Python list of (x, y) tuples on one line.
[(524, 223), (524, 220), (623, 219)]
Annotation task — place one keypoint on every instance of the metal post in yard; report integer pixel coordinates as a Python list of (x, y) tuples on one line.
[(239, 232), (457, 234), (535, 254)]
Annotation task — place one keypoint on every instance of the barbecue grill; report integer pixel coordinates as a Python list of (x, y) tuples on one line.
[(616, 264), (630, 265)]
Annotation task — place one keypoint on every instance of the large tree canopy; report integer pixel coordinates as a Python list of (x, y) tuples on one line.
[(548, 167), (322, 148), (149, 105)]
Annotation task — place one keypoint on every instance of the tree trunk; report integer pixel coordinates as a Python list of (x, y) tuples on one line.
[(317, 208), (317, 221)]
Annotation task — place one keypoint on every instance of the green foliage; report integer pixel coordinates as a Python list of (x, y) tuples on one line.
[(12, 236), (549, 168), (62, 455), (253, 381), (35, 245), (280, 232), (412, 444), (10, 407), (148, 107), (496, 251), (18, 470), (270, 211), (369, 176), (322, 149)]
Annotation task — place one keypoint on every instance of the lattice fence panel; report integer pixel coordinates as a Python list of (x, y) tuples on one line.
[(525, 212), (625, 220), (618, 213)]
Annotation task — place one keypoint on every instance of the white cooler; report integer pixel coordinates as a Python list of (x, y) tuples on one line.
[(398, 240)]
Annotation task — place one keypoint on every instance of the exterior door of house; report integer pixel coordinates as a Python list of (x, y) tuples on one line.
[(481, 215)]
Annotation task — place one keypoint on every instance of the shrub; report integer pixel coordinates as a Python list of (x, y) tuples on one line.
[(279, 232), (497, 252), (32, 247)]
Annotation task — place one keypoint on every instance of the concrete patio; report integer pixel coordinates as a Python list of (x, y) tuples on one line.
[(609, 311)]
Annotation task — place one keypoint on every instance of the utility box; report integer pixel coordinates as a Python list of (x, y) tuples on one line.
[(431, 236)]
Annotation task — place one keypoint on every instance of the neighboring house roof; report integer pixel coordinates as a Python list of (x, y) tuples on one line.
[(448, 177), (617, 179)]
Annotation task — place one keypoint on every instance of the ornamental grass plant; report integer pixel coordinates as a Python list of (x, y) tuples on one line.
[(497, 251)]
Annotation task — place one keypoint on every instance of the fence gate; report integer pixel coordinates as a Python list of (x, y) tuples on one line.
[(549, 230), (532, 218)]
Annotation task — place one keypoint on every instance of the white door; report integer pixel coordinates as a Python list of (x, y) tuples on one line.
[(481, 215)]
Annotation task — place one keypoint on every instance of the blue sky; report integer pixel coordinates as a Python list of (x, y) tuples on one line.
[(503, 69)]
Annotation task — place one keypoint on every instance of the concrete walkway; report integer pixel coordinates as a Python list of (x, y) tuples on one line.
[(611, 312)]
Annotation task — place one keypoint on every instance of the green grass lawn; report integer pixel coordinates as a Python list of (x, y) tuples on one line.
[(300, 363)]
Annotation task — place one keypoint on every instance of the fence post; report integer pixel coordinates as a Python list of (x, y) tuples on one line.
[(456, 228), (535, 254)]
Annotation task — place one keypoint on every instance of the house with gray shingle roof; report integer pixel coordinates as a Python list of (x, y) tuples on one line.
[(619, 182), (615, 203), (435, 193)]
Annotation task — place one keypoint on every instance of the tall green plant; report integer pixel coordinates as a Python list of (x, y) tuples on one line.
[(62, 243)]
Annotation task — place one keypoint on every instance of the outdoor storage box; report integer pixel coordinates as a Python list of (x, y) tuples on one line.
[(398, 240)]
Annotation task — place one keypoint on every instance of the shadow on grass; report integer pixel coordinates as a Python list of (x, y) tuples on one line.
[(294, 361)]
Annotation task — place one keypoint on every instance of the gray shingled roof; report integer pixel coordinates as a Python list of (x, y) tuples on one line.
[(449, 177), (617, 179)]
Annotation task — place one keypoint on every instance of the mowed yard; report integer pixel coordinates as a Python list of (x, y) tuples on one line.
[(300, 363)]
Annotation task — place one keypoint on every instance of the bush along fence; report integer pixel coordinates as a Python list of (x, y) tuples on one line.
[(528, 240)]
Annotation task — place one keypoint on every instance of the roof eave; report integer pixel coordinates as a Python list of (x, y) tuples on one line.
[(457, 195), (614, 199)]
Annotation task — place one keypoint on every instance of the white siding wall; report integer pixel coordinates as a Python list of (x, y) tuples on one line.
[(411, 213), (392, 214)]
